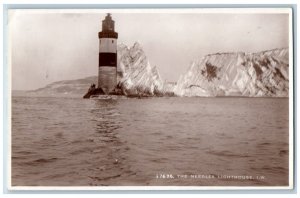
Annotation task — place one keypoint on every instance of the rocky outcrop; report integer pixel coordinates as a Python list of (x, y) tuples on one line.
[(136, 75), (238, 74)]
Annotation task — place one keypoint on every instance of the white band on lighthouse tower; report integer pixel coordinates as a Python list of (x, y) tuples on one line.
[(108, 45)]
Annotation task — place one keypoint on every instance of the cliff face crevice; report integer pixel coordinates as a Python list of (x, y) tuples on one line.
[(237, 74)]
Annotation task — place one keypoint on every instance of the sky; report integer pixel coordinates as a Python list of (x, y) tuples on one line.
[(60, 45)]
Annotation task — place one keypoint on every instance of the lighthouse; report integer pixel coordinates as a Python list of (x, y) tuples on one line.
[(107, 76)]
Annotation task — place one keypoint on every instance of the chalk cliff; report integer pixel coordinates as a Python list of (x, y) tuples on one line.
[(237, 74), (136, 75)]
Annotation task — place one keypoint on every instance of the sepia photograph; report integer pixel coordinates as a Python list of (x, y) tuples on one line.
[(151, 98)]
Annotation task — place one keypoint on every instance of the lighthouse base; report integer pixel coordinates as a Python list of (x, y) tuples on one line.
[(107, 78), (93, 92)]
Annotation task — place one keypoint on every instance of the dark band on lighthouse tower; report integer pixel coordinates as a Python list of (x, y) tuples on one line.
[(107, 77)]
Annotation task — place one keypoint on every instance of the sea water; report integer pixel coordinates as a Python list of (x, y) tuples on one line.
[(150, 142)]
